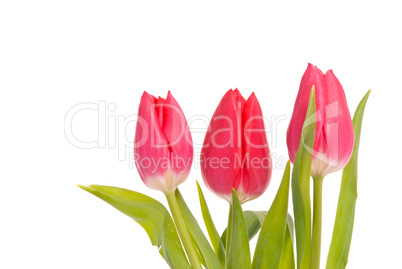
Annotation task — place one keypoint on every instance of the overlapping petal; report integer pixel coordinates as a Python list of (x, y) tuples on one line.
[(334, 136), (163, 145), (235, 153)]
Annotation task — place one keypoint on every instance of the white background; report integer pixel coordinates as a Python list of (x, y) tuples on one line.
[(57, 54)]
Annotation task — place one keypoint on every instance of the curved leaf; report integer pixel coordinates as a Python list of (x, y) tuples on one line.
[(204, 248), (254, 220), (239, 248), (343, 228), (271, 239), (287, 256), (291, 226), (216, 241), (151, 215), (301, 187)]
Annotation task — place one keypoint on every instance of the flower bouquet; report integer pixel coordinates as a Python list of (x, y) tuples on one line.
[(236, 165)]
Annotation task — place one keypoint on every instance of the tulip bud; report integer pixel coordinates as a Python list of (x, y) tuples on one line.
[(163, 148), (334, 135), (235, 153)]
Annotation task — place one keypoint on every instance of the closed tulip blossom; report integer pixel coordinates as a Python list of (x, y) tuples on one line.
[(235, 152), (334, 135), (163, 149)]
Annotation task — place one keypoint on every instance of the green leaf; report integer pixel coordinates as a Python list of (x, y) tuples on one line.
[(301, 187), (271, 239), (151, 215), (210, 259), (216, 241), (239, 249), (254, 220), (343, 228), (287, 256), (291, 227), (261, 215)]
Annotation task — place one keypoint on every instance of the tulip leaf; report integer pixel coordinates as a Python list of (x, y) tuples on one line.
[(301, 187), (343, 228), (216, 241), (239, 249), (272, 236), (287, 260), (261, 215), (151, 215), (291, 226), (201, 242), (253, 219)]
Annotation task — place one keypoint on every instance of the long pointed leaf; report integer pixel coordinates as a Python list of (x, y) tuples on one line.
[(287, 256), (301, 187), (271, 239), (291, 225), (216, 241), (151, 215), (239, 248), (203, 246), (343, 228), (254, 220)]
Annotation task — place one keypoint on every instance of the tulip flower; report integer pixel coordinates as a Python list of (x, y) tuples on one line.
[(235, 153), (163, 149), (334, 136)]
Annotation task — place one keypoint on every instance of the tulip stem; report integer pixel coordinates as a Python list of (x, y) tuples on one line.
[(317, 223), (182, 229)]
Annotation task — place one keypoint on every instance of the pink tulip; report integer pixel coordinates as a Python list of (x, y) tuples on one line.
[(235, 153), (163, 148), (334, 136)]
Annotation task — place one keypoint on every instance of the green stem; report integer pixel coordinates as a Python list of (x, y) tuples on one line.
[(182, 229), (317, 223), (229, 231)]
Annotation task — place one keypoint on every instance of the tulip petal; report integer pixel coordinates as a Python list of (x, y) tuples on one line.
[(334, 136), (222, 146), (258, 169), (178, 135), (150, 144), (338, 126), (312, 77), (159, 109)]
